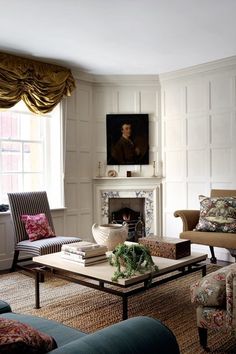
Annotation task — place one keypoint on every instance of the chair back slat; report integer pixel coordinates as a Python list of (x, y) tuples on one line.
[(28, 203)]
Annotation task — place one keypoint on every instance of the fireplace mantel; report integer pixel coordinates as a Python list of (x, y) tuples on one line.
[(127, 181), (149, 188), (128, 178)]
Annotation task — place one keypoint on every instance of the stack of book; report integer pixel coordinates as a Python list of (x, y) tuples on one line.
[(85, 253)]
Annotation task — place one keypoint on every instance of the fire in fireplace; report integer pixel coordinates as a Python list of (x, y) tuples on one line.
[(132, 216)]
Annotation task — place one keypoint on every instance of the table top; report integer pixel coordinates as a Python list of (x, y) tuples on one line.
[(104, 271)]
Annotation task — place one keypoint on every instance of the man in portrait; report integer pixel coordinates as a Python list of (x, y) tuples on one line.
[(125, 151), (127, 139)]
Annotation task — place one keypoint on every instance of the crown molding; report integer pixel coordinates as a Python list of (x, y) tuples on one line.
[(129, 80), (123, 80), (225, 63), (154, 80)]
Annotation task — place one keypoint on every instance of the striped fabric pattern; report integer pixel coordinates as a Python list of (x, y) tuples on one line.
[(31, 203), (28, 203), (45, 246)]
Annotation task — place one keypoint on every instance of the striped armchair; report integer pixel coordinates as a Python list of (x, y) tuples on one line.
[(32, 203)]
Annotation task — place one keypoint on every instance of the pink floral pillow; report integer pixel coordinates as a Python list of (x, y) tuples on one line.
[(18, 337), (37, 226)]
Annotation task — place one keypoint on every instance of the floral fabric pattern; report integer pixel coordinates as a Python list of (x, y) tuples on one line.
[(37, 226), (217, 214), (214, 318), (17, 337), (215, 295), (211, 289)]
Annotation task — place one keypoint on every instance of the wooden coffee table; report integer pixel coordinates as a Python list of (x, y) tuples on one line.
[(99, 276)]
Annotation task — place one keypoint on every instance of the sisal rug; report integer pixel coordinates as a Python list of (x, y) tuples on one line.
[(90, 310)]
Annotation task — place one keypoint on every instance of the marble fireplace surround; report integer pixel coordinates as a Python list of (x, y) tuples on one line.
[(149, 188)]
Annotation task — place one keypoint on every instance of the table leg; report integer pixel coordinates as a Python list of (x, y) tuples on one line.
[(204, 270), (37, 278), (125, 308), (101, 284)]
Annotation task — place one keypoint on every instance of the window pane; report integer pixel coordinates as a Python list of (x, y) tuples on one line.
[(11, 157), (9, 125), (33, 182), (30, 127), (33, 159), (10, 183)]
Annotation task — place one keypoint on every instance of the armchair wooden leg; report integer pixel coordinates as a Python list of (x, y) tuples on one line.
[(14, 262), (213, 257), (233, 254), (203, 338)]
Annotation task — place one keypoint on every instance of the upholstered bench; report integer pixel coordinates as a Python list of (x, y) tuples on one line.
[(214, 295)]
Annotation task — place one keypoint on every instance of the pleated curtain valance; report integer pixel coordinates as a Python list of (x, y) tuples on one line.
[(40, 85)]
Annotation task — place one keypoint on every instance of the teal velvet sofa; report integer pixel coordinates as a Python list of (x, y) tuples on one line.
[(136, 335)]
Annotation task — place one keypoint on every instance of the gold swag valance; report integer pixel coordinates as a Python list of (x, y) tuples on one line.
[(40, 85)]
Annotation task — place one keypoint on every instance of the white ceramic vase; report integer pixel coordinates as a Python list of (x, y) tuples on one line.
[(110, 235)]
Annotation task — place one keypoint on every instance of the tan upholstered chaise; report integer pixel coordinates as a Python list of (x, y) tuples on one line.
[(212, 239)]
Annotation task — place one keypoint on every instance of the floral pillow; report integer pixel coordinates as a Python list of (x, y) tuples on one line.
[(217, 214), (18, 337), (37, 226)]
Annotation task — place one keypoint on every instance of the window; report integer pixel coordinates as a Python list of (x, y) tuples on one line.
[(31, 153)]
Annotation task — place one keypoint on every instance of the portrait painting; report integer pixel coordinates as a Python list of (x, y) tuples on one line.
[(127, 139)]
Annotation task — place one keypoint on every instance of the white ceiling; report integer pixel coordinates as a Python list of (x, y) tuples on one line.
[(120, 36)]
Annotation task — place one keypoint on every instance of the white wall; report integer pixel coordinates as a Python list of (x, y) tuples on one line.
[(198, 130), (78, 161), (86, 138), (126, 94)]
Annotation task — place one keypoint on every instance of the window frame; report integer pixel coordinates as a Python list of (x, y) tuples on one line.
[(51, 143)]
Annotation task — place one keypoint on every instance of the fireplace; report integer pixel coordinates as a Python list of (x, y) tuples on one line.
[(144, 192), (130, 211)]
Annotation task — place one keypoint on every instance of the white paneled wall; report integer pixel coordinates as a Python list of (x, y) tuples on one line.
[(86, 139), (198, 127), (126, 95), (78, 162)]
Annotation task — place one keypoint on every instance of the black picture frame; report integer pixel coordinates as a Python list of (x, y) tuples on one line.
[(131, 151)]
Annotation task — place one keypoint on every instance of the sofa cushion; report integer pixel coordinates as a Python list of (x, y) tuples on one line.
[(61, 333), (217, 239), (37, 226), (18, 337), (211, 289), (217, 214)]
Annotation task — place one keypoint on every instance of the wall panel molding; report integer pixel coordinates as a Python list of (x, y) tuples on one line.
[(201, 100)]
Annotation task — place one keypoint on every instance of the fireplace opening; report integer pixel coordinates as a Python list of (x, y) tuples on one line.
[(131, 211)]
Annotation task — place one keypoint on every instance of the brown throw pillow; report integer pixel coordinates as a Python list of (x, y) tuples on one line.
[(18, 338), (217, 214)]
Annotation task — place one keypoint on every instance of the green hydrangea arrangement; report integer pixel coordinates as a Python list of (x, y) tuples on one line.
[(130, 259)]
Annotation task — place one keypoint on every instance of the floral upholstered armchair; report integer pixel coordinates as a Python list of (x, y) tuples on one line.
[(215, 297)]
